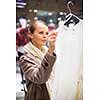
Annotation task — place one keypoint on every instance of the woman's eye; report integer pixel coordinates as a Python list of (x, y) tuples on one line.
[(43, 33), (40, 32), (47, 33)]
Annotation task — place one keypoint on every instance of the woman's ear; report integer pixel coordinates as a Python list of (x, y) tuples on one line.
[(30, 35)]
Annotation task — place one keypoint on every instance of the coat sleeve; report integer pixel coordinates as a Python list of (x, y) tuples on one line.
[(37, 72)]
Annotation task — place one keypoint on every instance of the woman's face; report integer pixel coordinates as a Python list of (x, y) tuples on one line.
[(40, 35)]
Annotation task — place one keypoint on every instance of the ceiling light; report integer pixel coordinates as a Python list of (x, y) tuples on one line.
[(30, 10), (60, 13), (21, 3), (49, 13), (20, 6), (35, 18), (35, 10), (59, 18)]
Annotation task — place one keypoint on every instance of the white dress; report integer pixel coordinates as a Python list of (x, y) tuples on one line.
[(66, 71)]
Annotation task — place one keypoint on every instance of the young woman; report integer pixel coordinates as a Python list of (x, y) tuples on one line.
[(38, 61)]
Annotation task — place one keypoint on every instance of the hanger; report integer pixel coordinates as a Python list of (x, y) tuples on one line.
[(69, 9), (70, 18)]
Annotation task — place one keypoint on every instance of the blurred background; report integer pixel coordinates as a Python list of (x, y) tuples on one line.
[(50, 11)]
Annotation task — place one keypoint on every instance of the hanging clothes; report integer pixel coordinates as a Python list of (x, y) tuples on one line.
[(68, 50)]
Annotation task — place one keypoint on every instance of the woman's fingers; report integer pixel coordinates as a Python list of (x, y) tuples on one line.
[(52, 35)]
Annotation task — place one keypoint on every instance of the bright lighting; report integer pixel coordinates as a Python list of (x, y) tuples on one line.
[(59, 18), (35, 10), (30, 10), (20, 6), (49, 13), (61, 13), (35, 18), (50, 20), (21, 3)]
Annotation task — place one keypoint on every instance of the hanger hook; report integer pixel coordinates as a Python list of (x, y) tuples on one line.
[(69, 2)]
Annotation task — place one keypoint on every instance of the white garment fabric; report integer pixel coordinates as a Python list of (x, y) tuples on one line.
[(69, 52)]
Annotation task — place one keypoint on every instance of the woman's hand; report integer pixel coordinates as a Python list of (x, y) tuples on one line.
[(51, 39)]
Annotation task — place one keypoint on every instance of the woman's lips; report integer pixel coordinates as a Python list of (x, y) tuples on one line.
[(44, 41)]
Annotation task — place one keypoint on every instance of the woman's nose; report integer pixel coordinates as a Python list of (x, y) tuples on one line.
[(45, 35)]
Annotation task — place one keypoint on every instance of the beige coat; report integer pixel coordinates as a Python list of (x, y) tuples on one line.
[(36, 75)]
